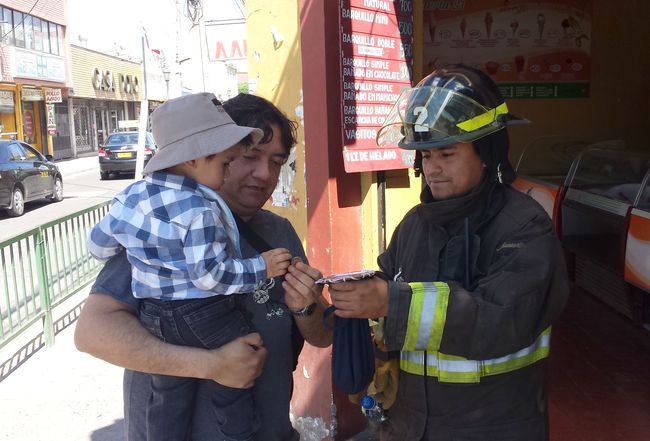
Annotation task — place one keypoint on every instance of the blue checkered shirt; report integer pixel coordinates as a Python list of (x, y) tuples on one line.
[(180, 237)]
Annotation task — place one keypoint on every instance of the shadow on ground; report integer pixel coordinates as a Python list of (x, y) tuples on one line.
[(114, 432), (32, 346)]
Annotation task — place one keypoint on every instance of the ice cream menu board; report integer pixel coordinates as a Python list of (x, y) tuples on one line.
[(376, 50), (533, 49)]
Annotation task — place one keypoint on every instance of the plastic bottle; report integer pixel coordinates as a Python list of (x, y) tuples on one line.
[(372, 409)]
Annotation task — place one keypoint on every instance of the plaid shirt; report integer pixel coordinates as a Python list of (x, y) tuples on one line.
[(180, 237)]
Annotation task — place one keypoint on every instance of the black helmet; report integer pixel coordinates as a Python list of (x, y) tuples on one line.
[(452, 104)]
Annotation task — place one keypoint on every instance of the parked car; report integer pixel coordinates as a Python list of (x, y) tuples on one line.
[(118, 154), (26, 175)]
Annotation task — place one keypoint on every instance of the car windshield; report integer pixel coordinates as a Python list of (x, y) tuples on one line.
[(122, 138)]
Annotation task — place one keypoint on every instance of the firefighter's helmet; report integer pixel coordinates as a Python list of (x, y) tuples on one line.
[(453, 104)]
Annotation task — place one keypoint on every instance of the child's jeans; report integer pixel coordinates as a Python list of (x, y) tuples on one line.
[(207, 323)]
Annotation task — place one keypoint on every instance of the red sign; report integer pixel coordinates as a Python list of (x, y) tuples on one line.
[(391, 7), (376, 46), (28, 123), (366, 45), (376, 69), (376, 23), (374, 159)]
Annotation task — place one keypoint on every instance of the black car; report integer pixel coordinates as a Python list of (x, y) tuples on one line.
[(119, 153), (26, 175)]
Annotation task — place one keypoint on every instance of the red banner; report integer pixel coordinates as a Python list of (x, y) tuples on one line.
[(376, 46)]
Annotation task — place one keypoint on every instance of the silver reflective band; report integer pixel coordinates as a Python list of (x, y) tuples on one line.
[(427, 316), (454, 369)]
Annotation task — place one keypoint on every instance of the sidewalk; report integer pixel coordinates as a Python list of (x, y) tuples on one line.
[(59, 394)]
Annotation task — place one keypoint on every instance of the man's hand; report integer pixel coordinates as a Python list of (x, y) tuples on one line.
[(109, 330), (301, 291), (277, 261), (237, 363), (365, 298), (299, 287)]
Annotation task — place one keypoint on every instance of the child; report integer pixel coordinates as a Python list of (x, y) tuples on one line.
[(183, 244)]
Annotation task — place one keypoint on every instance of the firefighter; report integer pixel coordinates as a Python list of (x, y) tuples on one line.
[(474, 274)]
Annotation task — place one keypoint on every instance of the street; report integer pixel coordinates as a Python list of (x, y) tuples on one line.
[(81, 190)]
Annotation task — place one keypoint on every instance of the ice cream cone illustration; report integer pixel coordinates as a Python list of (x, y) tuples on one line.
[(488, 24), (514, 25), (463, 26), (541, 21)]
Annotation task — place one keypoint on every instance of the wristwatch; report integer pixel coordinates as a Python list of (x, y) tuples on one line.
[(304, 312)]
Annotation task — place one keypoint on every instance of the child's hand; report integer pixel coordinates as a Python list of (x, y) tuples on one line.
[(277, 261)]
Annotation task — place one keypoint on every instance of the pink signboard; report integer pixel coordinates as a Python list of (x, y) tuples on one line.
[(376, 47)]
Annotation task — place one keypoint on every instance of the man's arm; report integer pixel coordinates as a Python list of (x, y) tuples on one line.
[(108, 329)]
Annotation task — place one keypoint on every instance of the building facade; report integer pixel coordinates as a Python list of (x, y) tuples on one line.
[(105, 90), (34, 78)]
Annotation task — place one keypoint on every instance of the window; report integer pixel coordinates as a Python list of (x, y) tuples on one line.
[(38, 34), (59, 31), (45, 35), (19, 31), (29, 31), (54, 41), (30, 153), (16, 152), (6, 26)]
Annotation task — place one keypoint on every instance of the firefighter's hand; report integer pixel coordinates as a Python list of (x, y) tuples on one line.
[(365, 298)]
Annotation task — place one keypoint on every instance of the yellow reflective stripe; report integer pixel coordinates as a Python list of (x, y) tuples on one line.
[(427, 316), (483, 119), (519, 359), (454, 369), (415, 312)]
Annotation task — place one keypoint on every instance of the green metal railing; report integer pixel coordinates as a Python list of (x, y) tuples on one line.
[(43, 267)]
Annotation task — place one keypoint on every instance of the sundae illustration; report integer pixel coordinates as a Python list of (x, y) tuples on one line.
[(573, 30)]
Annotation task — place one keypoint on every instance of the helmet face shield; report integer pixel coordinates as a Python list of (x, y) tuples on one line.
[(430, 116)]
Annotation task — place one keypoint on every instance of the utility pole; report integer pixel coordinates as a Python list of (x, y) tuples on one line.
[(144, 114)]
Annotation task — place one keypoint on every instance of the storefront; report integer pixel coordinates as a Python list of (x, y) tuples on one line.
[(25, 113), (8, 123), (105, 90)]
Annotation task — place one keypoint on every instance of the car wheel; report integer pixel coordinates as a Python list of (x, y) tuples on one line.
[(17, 207), (103, 175), (57, 194)]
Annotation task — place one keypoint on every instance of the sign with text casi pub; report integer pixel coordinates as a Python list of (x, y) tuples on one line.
[(377, 53)]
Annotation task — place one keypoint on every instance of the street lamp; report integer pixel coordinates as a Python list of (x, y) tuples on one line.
[(166, 77)]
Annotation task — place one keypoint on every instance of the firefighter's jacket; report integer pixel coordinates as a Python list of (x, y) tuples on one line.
[(470, 311)]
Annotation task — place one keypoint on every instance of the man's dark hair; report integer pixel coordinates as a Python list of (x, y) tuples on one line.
[(254, 111)]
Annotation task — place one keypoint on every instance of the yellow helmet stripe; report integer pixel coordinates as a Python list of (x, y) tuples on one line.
[(483, 119)]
